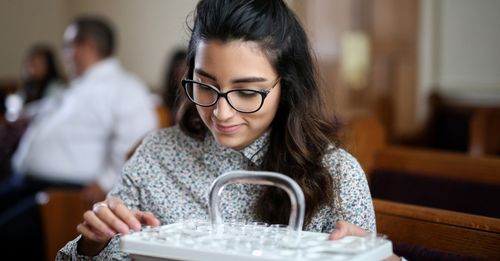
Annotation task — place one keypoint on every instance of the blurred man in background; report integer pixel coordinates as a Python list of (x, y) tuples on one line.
[(81, 138)]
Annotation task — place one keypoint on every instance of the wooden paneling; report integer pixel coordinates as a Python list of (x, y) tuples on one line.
[(394, 31), (449, 231), (392, 26)]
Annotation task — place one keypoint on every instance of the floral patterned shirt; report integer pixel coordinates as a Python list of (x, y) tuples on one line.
[(171, 173)]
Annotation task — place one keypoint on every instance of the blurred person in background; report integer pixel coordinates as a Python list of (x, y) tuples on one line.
[(40, 79), (80, 139), (172, 87), (40, 75)]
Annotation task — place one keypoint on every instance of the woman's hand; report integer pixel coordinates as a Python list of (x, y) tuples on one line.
[(343, 228), (105, 220)]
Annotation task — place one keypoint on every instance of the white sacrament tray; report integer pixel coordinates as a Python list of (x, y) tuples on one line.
[(256, 241)]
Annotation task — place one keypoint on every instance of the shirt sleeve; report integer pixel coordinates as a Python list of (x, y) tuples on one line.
[(69, 252), (352, 200), (128, 190)]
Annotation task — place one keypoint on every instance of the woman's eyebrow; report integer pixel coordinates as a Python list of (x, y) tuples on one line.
[(239, 80), (249, 79), (205, 74)]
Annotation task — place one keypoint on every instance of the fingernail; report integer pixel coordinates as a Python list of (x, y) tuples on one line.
[(111, 233)]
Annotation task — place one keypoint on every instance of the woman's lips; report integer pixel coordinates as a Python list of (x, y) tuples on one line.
[(227, 129)]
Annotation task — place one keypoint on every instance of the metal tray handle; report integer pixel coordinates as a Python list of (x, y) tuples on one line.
[(293, 190)]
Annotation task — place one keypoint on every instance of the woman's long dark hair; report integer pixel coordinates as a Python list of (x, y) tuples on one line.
[(172, 88), (300, 132)]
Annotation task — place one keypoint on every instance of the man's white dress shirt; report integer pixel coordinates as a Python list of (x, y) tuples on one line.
[(85, 134)]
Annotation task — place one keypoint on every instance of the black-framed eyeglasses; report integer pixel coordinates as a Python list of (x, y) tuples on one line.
[(246, 100)]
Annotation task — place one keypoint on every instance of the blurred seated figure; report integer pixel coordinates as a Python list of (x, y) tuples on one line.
[(172, 88), (40, 79), (80, 138), (5, 149), (10, 134), (40, 75)]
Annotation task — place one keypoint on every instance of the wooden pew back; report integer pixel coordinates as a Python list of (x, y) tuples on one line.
[(439, 164), (437, 179), (442, 230)]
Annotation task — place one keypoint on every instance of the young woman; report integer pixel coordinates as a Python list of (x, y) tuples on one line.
[(253, 103), (41, 77)]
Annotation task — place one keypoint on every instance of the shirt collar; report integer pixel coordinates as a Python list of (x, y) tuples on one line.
[(255, 152)]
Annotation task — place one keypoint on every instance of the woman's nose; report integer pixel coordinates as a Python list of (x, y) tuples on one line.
[(223, 110)]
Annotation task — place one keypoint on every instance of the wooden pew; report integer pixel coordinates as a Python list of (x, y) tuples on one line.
[(438, 179), (439, 164), (441, 230), (426, 227), (365, 138), (61, 211)]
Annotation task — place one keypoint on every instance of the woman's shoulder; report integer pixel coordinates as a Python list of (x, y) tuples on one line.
[(338, 155), (160, 148), (340, 161)]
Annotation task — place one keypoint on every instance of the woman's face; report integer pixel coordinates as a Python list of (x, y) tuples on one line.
[(229, 66), (37, 67)]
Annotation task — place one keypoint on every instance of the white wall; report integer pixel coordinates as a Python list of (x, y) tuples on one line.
[(470, 43), (460, 42), (148, 31), (459, 49), (23, 23), (427, 56)]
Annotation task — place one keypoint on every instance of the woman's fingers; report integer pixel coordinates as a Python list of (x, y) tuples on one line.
[(343, 228), (107, 216), (110, 217), (147, 218), (97, 225), (92, 241), (124, 214), (106, 219), (94, 229), (85, 230)]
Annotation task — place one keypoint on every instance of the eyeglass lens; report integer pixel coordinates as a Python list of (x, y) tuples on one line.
[(241, 100)]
